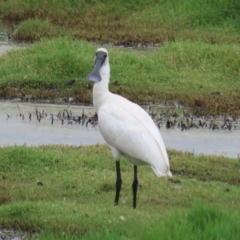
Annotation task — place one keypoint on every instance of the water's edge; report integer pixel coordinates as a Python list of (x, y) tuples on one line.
[(16, 128)]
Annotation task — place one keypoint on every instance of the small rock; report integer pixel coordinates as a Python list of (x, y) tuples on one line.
[(122, 218), (39, 183)]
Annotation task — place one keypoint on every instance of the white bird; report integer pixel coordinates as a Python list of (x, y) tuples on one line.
[(127, 128)]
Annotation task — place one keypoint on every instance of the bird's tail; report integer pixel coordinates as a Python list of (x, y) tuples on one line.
[(169, 174), (162, 174)]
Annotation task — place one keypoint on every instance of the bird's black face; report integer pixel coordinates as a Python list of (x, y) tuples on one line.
[(94, 76)]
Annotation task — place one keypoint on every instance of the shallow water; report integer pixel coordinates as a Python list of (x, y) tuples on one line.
[(5, 44), (16, 130)]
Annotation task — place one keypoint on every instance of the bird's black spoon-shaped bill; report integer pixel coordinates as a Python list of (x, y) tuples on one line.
[(94, 76)]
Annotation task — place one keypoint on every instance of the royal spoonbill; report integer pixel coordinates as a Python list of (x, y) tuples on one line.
[(128, 129)]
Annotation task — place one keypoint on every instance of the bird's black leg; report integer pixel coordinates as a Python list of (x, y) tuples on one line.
[(118, 182), (135, 187)]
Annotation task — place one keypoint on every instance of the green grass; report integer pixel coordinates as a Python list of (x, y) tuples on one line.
[(197, 66), (215, 21), (35, 29), (199, 222), (194, 69), (69, 191), (47, 64)]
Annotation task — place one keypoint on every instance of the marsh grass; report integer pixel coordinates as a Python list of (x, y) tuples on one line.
[(36, 29), (200, 222), (185, 72), (123, 21), (68, 192)]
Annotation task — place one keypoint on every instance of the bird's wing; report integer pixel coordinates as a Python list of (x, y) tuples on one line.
[(128, 128)]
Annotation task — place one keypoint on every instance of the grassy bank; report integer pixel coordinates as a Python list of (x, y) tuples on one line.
[(121, 22), (196, 74), (69, 191), (197, 66)]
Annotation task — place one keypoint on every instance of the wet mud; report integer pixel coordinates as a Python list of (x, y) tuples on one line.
[(7, 234)]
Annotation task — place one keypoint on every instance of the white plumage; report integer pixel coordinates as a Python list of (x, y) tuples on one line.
[(126, 127)]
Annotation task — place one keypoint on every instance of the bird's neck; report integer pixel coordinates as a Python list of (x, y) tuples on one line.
[(100, 89)]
